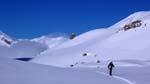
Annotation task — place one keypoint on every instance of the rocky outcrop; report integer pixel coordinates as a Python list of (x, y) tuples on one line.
[(72, 36), (5, 39), (134, 24)]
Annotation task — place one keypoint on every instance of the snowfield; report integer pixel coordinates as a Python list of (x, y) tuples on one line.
[(82, 60), (16, 72)]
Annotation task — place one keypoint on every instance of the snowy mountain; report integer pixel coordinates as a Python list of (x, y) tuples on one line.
[(84, 59), (16, 72), (51, 40), (126, 40), (27, 48)]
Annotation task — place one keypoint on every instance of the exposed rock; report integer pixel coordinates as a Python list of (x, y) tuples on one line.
[(84, 54), (72, 36), (71, 65), (6, 41), (134, 24), (98, 61)]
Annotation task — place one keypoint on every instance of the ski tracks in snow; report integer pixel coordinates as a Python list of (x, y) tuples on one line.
[(120, 78), (123, 79)]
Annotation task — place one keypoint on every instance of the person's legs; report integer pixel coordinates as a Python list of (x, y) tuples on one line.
[(110, 72)]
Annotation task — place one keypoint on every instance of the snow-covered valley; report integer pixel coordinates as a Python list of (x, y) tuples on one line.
[(82, 60)]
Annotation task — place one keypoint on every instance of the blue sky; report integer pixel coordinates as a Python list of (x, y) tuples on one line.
[(33, 18)]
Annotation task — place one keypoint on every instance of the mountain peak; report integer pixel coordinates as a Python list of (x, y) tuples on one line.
[(104, 44), (143, 16)]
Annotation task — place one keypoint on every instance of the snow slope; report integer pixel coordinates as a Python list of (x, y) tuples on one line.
[(129, 71), (16, 72), (111, 43)]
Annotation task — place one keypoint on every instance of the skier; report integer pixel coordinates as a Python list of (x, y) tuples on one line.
[(110, 67)]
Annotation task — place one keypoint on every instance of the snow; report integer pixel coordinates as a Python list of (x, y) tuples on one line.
[(52, 40), (111, 43), (142, 15), (22, 49), (86, 38), (53, 56), (29, 48), (16, 72), (128, 71)]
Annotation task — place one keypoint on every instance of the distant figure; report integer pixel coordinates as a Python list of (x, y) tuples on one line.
[(110, 67)]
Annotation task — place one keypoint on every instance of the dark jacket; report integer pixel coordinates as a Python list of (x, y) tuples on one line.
[(110, 65)]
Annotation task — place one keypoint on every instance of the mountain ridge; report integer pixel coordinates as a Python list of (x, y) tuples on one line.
[(113, 43)]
